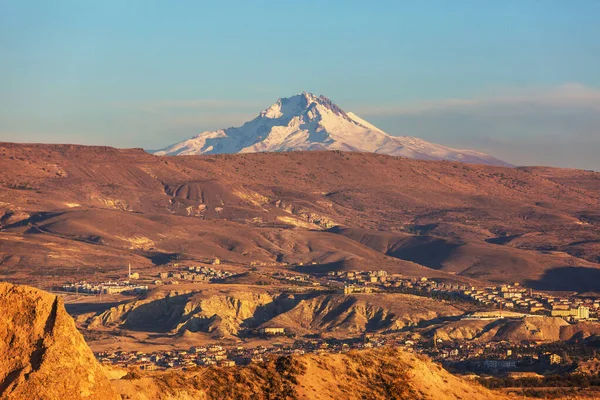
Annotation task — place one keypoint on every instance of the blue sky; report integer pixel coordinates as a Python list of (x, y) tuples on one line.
[(519, 79)]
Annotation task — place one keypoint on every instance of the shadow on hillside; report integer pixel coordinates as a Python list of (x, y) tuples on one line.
[(34, 219), (429, 251), (379, 321), (84, 308), (425, 250), (159, 316), (492, 325), (266, 312), (502, 240), (321, 268), (579, 279), (159, 258)]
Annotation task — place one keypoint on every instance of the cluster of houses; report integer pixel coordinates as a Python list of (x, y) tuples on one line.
[(359, 277), (194, 273), (357, 281), (225, 357), (495, 357), (299, 279), (502, 297), (490, 357), (426, 285), (572, 311), (485, 351), (195, 356), (507, 297), (109, 287), (517, 297)]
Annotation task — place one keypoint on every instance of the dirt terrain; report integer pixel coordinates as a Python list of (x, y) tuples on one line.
[(517, 330), (375, 374), (66, 208)]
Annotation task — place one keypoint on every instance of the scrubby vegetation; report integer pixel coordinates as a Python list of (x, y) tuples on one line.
[(274, 379), (566, 380), (382, 374)]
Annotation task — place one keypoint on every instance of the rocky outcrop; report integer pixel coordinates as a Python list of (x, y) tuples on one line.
[(42, 355), (541, 329), (307, 214), (223, 314), (219, 314), (156, 312), (516, 330), (341, 315)]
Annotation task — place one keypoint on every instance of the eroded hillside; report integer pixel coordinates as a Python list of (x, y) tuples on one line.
[(231, 312), (80, 206)]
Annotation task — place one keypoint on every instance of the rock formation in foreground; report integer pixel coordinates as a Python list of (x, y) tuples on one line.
[(42, 355)]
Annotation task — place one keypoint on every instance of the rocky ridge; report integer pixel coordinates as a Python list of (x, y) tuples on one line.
[(224, 313)]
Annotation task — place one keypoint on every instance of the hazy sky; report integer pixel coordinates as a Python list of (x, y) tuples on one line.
[(518, 79)]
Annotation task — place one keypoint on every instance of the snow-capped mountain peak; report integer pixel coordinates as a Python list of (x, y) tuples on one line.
[(302, 103), (308, 122)]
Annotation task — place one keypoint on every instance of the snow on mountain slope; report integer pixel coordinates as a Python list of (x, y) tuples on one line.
[(307, 122)]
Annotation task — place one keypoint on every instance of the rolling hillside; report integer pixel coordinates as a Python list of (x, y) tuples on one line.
[(80, 206)]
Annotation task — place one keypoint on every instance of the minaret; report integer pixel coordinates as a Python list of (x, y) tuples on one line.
[(129, 275)]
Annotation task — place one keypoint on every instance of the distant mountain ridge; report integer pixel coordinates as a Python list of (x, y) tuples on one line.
[(308, 122)]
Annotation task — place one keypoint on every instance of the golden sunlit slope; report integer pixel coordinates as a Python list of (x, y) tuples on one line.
[(375, 374), (42, 355)]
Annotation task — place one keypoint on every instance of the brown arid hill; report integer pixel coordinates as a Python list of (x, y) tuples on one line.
[(513, 329), (372, 374), (76, 205), (42, 355), (225, 311)]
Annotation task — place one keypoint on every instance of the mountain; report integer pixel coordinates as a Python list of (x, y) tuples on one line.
[(42, 355), (307, 122)]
